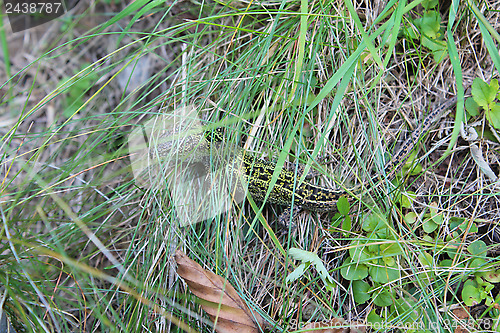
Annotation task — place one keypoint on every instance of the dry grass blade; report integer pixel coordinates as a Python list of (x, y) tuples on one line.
[(220, 300)]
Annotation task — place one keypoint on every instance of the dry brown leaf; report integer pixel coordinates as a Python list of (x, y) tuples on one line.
[(461, 314), (336, 325), (219, 299)]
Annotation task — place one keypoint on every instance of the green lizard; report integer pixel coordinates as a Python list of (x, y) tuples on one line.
[(204, 147)]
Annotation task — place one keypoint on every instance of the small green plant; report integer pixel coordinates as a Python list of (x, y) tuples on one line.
[(430, 33), (401, 311), (342, 216), (375, 261), (430, 221), (411, 167), (458, 226), (373, 255), (307, 259), (483, 97), (479, 286)]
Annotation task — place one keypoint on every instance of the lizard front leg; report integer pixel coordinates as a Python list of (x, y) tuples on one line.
[(287, 218)]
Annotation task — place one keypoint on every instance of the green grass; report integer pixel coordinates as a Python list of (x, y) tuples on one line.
[(85, 248)]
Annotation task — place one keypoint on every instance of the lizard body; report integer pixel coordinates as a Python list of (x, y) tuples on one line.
[(205, 147)]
